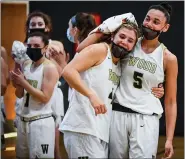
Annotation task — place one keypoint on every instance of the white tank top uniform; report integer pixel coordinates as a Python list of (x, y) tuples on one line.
[(32, 106), (80, 125), (141, 72), (136, 111), (58, 102), (80, 116)]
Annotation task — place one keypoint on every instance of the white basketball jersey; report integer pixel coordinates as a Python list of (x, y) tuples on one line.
[(80, 116), (141, 72), (31, 105)]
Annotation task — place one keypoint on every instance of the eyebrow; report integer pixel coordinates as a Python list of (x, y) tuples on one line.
[(32, 23), (128, 37), (131, 39), (36, 45), (154, 18)]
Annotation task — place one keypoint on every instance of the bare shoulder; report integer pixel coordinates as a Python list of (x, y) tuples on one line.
[(3, 53), (170, 60), (3, 49), (49, 65), (169, 56)]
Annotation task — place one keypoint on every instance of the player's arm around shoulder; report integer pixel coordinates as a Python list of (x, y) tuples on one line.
[(91, 39), (50, 78)]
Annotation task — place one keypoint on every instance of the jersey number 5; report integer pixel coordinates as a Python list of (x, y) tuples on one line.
[(137, 80)]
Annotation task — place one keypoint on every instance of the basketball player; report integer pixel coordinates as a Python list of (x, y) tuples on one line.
[(80, 25), (36, 84), (39, 21), (94, 74)]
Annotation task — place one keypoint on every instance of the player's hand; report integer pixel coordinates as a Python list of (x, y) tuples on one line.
[(52, 48), (168, 150), (158, 92), (97, 104), (17, 77)]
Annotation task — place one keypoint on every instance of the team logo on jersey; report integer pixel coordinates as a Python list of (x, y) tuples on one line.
[(113, 77), (142, 64), (34, 83), (45, 148)]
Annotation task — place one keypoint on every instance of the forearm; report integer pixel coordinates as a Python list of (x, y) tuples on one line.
[(74, 80), (171, 115), (91, 39), (36, 93)]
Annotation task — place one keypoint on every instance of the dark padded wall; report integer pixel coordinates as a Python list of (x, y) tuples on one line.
[(61, 12)]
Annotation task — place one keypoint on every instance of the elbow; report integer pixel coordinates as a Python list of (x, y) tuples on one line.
[(45, 100), (170, 103)]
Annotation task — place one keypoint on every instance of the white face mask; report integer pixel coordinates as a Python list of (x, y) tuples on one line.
[(70, 38)]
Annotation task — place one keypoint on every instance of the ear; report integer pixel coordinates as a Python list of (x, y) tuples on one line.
[(75, 30), (47, 29), (44, 49), (112, 37), (165, 29)]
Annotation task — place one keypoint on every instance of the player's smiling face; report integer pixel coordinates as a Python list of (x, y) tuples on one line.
[(125, 38)]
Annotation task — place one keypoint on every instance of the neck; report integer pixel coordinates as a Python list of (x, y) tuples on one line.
[(36, 64), (150, 43), (115, 60)]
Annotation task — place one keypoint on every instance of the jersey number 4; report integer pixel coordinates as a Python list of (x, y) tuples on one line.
[(137, 80)]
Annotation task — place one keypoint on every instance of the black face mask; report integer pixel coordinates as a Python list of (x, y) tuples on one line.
[(42, 30), (118, 51), (149, 34), (34, 54), (37, 30)]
